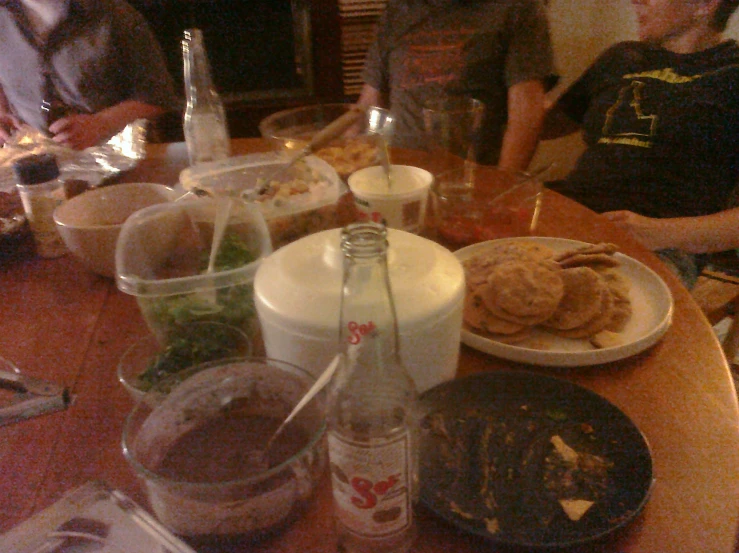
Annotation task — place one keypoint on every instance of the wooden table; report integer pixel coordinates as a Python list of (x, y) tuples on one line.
[(62, 323)]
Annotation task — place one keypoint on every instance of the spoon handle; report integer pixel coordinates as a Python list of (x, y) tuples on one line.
[(323, 137), (317, 387)]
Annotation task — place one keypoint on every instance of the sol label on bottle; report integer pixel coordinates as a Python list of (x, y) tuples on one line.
[(371, 484)]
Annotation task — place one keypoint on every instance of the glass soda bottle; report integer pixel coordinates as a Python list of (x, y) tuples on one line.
[(372, 417), (204, 123)]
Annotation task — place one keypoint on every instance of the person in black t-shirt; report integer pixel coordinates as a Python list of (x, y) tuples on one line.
[(661, 123)]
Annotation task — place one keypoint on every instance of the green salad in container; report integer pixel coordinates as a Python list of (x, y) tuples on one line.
[(231, 303), (192, 345)]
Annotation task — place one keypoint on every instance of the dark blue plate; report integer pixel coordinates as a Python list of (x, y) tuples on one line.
[(488, 464)]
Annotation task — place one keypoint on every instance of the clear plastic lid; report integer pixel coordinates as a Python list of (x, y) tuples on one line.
[(92, 517), (309, 184)]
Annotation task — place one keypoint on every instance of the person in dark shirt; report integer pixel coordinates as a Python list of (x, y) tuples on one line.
[(660, 119), (94, 65)]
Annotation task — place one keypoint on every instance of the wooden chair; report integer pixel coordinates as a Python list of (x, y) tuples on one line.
[(717, 294)]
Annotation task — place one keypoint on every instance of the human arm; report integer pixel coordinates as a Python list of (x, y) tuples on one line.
[(375, 70), (80, 131), (525, 117), (370, 96), (705, 234), (567, 113), (131, 80), (527, 73), (8, 122), (557, 123)]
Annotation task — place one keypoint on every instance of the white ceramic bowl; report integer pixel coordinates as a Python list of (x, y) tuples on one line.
[(90, 222)]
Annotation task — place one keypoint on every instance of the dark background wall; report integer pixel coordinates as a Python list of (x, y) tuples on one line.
[(265, 55)]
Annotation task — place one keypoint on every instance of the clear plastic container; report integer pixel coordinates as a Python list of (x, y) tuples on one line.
[(92, 517), (296, 202), (162, 257)]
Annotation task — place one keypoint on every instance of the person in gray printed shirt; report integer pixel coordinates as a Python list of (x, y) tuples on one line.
[(497, 51)]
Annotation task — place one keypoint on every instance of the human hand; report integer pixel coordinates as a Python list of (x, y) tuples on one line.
[(8, 124), (80, 131), (647, 230)]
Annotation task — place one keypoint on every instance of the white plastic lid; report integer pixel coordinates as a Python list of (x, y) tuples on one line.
[(236, 175), (299, 285)]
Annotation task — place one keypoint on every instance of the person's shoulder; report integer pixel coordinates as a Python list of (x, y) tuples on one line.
[(626, 48), (725, 62), (729, 51), (628, 51), (111, 8)]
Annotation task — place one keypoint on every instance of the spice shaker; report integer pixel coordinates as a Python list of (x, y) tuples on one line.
[(41, 191)]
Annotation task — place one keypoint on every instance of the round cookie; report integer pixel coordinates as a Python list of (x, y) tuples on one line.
[(619, 286), (476, 270), (583, 292), (620, 316), (594, 325), (617, 282), (590, 259), (477, 316), (515, 338), (532, 250), (526, 290), (478, 267)]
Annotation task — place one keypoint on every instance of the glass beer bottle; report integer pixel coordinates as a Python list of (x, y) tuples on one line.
[(204, 123), (372, 416)]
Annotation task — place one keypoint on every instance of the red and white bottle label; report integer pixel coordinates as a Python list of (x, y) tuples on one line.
[(371, 484)]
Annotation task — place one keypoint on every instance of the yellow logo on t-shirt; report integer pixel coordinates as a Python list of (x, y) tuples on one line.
[(626, 123)]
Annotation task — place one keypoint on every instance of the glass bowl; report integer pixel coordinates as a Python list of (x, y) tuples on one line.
[(149, 361), (487, 204), (199, 451), (361, 146)]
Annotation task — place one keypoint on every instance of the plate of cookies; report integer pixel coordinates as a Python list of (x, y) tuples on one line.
[(558, 302)]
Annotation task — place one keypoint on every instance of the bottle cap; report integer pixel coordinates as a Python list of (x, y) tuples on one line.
[(36, 168)]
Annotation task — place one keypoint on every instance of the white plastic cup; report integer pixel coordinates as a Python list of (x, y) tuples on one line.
[(399, 204)]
